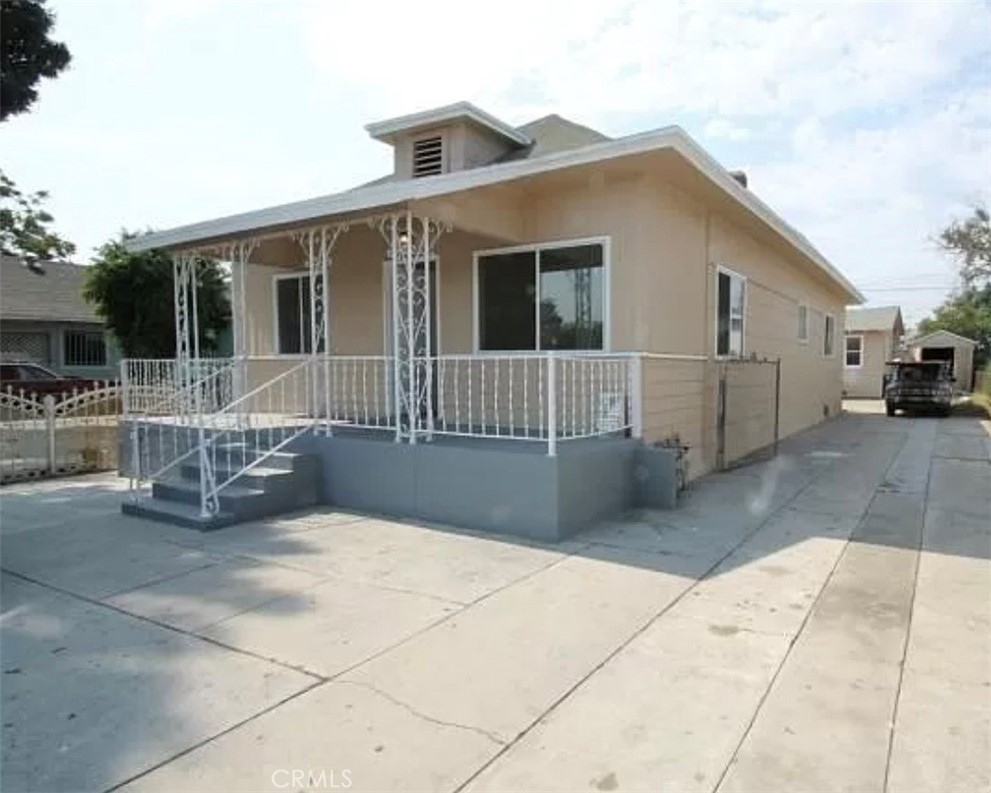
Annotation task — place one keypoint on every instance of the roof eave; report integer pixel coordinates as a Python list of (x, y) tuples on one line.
[(385, 130), (400, 192)]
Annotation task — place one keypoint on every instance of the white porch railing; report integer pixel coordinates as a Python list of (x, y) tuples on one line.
[(214, 414)]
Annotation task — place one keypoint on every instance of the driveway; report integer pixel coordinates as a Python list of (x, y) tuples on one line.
[(817, 622)]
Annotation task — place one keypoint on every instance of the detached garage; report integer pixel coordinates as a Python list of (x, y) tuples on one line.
[(942, 345)]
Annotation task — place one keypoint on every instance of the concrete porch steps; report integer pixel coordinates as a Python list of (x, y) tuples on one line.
[(281, 482)]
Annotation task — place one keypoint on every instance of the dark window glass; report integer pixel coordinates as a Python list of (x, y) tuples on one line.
[(293, 302), (571, 298), (730, 291), (85, 349), (507, 294)]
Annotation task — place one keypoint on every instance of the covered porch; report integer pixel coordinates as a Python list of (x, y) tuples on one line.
[(416, 329)]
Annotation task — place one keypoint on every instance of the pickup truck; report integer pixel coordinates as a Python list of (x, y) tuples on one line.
[(918, 386)]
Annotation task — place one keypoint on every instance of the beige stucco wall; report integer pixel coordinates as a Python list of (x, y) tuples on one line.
[(665, 243), (866, 381), (963, 354)]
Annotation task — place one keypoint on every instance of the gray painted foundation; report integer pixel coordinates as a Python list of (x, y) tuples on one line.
[(511, 487)]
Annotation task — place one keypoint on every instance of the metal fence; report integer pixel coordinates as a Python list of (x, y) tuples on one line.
[(55, 434)]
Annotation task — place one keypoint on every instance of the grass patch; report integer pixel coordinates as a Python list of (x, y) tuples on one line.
[(976, 405)]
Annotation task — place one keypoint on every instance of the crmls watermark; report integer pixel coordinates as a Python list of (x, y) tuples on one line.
[(311, 779)]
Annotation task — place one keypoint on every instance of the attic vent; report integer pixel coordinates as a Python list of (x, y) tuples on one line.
[(428, 156)]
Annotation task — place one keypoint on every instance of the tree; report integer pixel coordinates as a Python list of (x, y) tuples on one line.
[(26, 53), (24, 230), (969, 242), (132, 292)]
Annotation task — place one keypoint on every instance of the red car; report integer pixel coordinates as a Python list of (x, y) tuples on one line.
[(34, 379)]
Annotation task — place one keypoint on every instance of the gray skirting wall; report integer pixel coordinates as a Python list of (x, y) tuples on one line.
[(509, 487)]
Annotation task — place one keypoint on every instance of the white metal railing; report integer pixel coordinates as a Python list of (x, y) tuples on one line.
[(212, 415), (547, 397)]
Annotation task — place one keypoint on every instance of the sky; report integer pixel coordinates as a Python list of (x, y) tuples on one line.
[(866, 126)]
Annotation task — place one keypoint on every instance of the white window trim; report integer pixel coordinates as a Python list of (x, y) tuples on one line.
[(715, 315), (846, 337), (276, 347), (605, 242), (387, 318), (825, 316), (805, 339)]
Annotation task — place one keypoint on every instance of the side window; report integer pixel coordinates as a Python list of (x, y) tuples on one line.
[(829, 336), (803, 322), (731, 292)]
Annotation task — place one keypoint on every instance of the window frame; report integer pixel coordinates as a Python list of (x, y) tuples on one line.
[(276, 341), (826, 318), (720, 269), (860, 352), (803, 339), (535, 248), (65, 349)]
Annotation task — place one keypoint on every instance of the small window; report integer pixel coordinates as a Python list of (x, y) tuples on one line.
[(829, 336), (730, 301), (854, 350), (803, 323), (292, 309), (428, 156), (85, 348)]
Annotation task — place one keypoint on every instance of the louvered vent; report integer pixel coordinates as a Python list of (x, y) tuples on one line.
[(428, 156)]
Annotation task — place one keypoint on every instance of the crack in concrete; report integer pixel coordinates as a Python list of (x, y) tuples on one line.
[(419, 714)]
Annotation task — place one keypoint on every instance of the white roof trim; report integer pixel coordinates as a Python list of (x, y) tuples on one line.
[(388, 193), (383, 130), (921, 339)]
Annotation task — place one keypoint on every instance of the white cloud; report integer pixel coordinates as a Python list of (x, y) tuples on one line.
[(723, 129)]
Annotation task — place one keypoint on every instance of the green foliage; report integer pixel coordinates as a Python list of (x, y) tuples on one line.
[(132, 292), (969, 242), (24, 223), (26, 53), (967, 314)]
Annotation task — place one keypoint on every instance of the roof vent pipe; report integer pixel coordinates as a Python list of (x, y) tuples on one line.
[(740, 176)]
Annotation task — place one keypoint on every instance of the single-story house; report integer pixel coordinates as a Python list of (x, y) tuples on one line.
[(873, 337), (45, 320), (517, 328), (943, 345)]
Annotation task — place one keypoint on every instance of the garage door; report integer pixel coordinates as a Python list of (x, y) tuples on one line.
[(24, 346)]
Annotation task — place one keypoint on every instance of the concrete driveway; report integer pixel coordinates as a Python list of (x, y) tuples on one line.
[(818, 622)]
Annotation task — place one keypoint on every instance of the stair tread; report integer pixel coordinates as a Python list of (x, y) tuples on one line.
[(261, 470), (229, 490), (179, 509)]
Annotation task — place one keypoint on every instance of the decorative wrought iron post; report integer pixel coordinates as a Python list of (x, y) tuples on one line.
[(187, 337), (318, 245), (412, 243)]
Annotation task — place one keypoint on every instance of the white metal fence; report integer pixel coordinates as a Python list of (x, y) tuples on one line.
[(48, 435)]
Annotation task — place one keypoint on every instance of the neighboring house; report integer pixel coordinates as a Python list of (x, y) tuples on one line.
[(44, 319), (873, 337), (540, 283), (943, 345)]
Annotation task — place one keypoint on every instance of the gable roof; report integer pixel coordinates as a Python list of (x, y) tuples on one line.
[(919, 340), (381, 194), (55, 295), (874, 318), (553, 134)]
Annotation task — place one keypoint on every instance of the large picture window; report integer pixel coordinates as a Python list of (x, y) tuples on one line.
[(731, 292), (544, 298), (292, 309)]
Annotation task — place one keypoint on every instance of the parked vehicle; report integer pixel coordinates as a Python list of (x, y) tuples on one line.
[(37, 380), (918, 386)]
